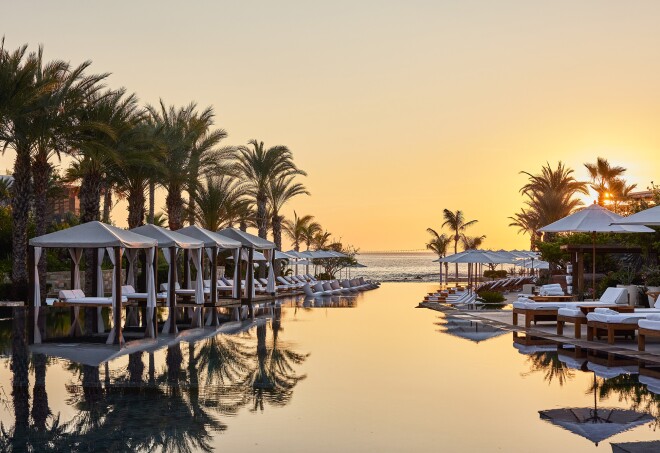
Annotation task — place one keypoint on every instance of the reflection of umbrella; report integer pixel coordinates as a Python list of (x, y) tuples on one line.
[(639, 447), (470, 330), (593, 423), (593, 219)]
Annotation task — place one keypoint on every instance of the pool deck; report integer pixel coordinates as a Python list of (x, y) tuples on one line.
[(503, 319)]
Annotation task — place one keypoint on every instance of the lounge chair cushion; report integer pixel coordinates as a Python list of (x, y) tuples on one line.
[(616, 318), (128, 289), (649, 324), (653, 317), (572, 312), (66, 294)]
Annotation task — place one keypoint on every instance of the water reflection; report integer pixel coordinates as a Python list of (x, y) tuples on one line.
[(179, 407), (468, 329)]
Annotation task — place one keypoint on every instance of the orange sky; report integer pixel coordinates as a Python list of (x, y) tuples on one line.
[(395, 109)]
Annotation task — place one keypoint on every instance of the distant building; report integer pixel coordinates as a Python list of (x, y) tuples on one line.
[(642, 195), (67, 203)]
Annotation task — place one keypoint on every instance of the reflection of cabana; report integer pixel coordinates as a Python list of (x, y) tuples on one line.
[(170, 242), (213, 244), (102, 238), (251, 243)]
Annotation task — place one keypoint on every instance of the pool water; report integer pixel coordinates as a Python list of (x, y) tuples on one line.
[(369, 373)]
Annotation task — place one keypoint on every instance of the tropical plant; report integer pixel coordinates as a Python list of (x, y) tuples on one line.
[(280, 191), (438, 244), (472, 242), (309, 233), (260, 167), (605, 179), (219, 202), (295, 229), (457, 224), (551, 195)]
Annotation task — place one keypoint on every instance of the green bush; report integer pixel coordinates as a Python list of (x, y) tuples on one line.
[(494, 274), (491, 297)]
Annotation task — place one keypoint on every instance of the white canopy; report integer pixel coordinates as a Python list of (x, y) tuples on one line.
[(257, 256), (247, 239), (593, 219), (475, 256), (93, 235), (647, 217), (167, 238), (209, 238)]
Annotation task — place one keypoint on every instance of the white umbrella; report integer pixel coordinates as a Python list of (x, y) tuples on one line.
[(474, 256), (593, 219), (648, 217)]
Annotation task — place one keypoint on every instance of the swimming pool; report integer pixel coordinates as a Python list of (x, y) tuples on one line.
[(371, 373)]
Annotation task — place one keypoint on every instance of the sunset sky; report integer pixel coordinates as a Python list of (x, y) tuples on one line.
[(395, 109)]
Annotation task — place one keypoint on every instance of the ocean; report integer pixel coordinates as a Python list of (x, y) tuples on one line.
[(401, 267)]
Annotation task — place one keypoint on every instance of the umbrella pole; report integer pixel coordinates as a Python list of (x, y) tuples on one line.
[(593, 267)]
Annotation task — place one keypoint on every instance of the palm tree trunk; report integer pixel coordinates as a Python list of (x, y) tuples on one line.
[(174, 204), (20, 204), (90, 206), (152, 201), (107, 202), (262, 220), (277, 231), (41, 171), (135, 368), (242, 225), (135, 208), (191, 207)]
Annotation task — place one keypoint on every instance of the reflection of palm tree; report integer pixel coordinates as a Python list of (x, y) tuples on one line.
[(273, 378), (40, 409), (628, 389), (549, 363)]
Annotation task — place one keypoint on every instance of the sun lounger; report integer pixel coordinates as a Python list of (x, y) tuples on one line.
[(603, 319), (573, 314), (129, 292), (77, 297), (316, 291), (649, 327)]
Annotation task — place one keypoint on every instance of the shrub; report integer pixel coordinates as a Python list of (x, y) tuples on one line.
[(651, 275), (491, 297), (495, 273)]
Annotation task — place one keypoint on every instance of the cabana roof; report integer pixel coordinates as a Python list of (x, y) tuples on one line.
[(209, 238), (93, 235), (247, 239), (167, 238)]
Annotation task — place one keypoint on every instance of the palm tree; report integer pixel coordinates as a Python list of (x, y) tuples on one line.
[(472, 242), (25, 91), (309, 232), (527, 221), (280, 191), (259, 167), (438, 244), (321, 240), (219, 203), (457, 224), (160, 219), (190, 152), (295, 229), (602, 176), (551, 195)]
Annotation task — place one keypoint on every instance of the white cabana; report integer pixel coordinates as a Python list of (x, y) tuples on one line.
[(250, 243), (593, 219), (170, 242), (101, 237)]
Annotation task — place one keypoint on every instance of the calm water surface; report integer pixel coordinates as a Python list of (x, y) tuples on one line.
[(372, 374)]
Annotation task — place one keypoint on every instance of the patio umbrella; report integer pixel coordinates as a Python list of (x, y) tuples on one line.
[(593, 219), (647, 217), (474, 256)]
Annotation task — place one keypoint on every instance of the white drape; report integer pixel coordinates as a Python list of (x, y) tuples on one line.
[(37, 294), (196, 255), (131, 254), (100, 291), (76, 254), (270, 287), (151, 290), (236, 290)]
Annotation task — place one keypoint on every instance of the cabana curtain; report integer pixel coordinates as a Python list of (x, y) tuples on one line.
[(270, 287), (76, 254), (111, 255), (236, 290), (196, 256), (131, 254), (37, 294)]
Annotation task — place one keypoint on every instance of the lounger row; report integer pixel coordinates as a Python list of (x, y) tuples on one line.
[(337, 287), (505, 284)]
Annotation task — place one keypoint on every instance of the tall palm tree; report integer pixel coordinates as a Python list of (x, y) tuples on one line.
[(551, 195), (472, 242), (26, 91), (280, 191), (602, 176), (295, 229), (259, 167), (438, 244), (457, 224), (321, 240), (528, 222), (309, 233), (219, 202), (190, 153)]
